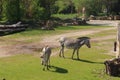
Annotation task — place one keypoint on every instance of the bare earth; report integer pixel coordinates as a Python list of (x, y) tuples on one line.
[(52, 41)]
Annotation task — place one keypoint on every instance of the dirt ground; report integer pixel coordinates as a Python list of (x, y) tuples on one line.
[(52, 41)]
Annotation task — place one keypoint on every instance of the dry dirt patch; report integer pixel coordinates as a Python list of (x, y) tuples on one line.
[(52, 41)]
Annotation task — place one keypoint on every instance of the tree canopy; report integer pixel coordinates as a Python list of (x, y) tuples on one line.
[(15, 10)]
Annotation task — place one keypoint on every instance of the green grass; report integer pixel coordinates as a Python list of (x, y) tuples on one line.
[(104, 33), (27, 66), (36, 34), (58, 30), (65, 16), (64, 28)]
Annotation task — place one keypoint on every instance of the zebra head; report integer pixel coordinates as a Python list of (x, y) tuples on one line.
[(85, 41)]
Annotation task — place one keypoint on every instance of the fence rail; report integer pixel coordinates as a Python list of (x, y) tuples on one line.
[(8, 29)]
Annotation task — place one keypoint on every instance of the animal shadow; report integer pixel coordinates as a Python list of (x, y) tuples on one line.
[(58, 69), (87, 61)]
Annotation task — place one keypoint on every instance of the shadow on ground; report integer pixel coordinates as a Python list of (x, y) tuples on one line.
[(87, 61), (58, 69)]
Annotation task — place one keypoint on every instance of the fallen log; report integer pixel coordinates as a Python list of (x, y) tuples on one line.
[(8, 29)]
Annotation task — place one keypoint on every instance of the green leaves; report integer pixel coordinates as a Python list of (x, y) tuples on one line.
[(11, 10)]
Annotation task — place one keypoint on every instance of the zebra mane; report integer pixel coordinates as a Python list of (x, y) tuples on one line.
[(82, 38)]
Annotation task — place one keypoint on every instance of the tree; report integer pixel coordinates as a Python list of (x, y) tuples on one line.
[(79, 4), (47, 6), (116, 8), (31, 9), (11, 10), (110, 5), (0, 7), (66, 6)]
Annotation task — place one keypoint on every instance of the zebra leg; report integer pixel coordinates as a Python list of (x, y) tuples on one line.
[(73, 53), (78, 54), (47, 67), (60, 52), (44, 68), (49, 63), (63, 52), (43, 63)]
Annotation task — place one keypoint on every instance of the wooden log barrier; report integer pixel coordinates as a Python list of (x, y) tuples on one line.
[(8, 29)]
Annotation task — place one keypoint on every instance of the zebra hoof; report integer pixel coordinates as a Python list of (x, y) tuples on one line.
[(71, 57), (59, 55), (78, 59), (43, 69), (63, 57), (47, 68)]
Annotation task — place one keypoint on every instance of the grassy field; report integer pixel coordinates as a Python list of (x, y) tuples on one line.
[(65, 16), (28, 67), (36, 34)]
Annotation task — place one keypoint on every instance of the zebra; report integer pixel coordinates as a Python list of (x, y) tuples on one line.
[(46, 57), (74, 44)]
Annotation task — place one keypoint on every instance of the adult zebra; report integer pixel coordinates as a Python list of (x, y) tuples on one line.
[(74, 44)]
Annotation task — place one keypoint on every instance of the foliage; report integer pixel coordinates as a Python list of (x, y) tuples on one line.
[(110, 5), (66, 7), (93, 7), (65, 16), (11, 10), (15, 10), (47, 6), (0, 7), (31, 9)]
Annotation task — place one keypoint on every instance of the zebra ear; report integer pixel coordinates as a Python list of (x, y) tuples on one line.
[(82, 42)]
